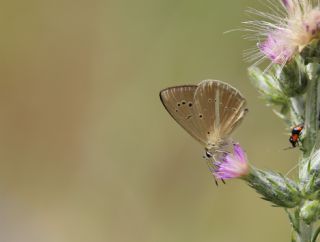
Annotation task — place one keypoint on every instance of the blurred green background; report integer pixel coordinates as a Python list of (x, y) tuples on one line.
[(88, 153)]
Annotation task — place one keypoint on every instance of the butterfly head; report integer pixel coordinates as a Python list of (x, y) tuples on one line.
[(216, 143)]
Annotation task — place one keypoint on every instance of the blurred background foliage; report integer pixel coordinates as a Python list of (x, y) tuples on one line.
[(88, 153)]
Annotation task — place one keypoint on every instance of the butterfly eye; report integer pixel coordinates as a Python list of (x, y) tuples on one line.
[(183, 102), (210, 100), (200, 115), (190, 104), (178, 104), (209, 154)]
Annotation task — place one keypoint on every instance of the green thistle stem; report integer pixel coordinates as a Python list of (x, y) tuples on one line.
[(312, 110), (306, 232), (300, 199), (315, 235), (311, 142)]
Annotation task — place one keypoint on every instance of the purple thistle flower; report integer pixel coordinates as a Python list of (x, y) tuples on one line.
[(285, 31), (276, 48), (287, 3), (233, 165)]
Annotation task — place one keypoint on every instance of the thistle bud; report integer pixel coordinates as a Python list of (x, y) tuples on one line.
[(274, 187), (269, 88), (292, 78), (311, 52)]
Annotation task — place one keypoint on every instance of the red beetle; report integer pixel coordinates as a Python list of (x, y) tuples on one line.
[(295, 135)]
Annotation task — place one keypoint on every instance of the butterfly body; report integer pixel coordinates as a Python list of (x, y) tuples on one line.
[(209, 111)]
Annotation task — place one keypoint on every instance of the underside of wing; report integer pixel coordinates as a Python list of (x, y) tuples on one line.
[(233, 107), (179, 102), (220, 108)]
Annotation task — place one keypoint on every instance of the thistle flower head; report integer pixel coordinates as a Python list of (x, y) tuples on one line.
[(233, 165), (285, 31)]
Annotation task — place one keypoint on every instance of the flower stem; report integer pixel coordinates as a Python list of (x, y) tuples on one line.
[(311, 142), (315, 235), (306, 232), (311, 139), (311, 113)]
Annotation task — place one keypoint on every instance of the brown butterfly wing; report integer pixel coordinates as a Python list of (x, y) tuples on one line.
[(179, 102), (220, 108), (233, 107)]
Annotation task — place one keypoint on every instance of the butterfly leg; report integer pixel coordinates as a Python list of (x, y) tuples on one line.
[(212, 162), (215, 180), (210, 159)]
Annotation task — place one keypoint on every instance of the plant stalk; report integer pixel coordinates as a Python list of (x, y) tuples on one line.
[(311, 141), (306, 232)]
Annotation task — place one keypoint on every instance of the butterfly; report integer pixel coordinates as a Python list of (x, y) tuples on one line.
[(209, 112)]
